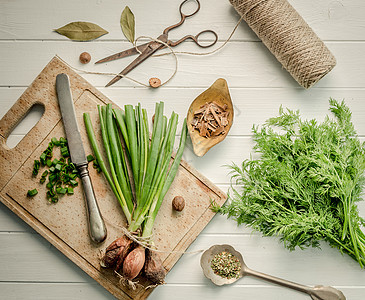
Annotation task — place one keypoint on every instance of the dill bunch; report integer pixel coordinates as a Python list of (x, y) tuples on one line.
[(306, 183)]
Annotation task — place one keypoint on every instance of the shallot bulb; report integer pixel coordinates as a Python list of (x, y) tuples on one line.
[(134, 262), (153, 268), (116, 252)]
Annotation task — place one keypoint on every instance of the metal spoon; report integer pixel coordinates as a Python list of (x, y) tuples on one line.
[(318, 292)]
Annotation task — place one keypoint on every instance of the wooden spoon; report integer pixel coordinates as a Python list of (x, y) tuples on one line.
[(318, 292), (218, 93)]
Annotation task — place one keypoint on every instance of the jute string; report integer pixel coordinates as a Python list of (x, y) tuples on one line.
[(288, 37)]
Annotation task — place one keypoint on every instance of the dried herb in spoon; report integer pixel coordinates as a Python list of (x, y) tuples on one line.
[(226, 265)]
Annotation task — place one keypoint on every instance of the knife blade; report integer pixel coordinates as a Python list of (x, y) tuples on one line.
[(97, 229)]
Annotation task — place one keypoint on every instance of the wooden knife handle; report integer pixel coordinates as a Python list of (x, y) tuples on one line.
[(97, 229)]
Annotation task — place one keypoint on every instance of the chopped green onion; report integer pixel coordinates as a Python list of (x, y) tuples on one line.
[(42, 158), (55, 141), (96, 166), (49, 162), (32, 193), (61, 190), (64, 151), (43, 177), (63, 141), (73, 176), (73, 182), (53, 177), (61, 173), (36, 167), (90, 158)]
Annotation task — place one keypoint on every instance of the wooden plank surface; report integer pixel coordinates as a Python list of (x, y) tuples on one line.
[(262, 70), (258, 87)]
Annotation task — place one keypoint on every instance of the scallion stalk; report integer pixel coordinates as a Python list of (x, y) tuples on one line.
[(147, 230), (100, 160)]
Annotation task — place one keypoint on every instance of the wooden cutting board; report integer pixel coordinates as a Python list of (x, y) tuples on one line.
[(64, 224)]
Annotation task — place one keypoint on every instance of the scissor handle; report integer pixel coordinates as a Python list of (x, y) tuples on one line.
[(183, 16), (196, 39), (191, 14)]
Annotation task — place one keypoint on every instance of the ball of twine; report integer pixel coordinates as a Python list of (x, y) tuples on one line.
[(288, 37)]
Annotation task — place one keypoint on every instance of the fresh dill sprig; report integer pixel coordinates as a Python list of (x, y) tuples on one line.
[(305, 186)]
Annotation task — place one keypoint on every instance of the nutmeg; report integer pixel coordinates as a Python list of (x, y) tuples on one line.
[(178, 203), (85, 57)]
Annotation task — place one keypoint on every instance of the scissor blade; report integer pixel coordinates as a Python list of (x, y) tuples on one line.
[(151, 48), (125, 53)]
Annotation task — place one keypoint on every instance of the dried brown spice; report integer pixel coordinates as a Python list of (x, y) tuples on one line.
[(210, 119), (85, 57), (178, 203), (226, 265)]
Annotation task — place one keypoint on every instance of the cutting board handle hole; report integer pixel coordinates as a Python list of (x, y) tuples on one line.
[(29, 120)]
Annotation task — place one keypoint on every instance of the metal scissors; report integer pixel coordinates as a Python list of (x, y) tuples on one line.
[(146, 50)]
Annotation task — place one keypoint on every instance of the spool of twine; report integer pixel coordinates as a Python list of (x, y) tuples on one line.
[(289, 38)]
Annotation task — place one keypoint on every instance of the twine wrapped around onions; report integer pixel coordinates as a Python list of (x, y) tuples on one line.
[(288, 37)]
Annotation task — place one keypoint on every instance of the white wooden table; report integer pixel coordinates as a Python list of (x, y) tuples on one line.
[(31, 268)]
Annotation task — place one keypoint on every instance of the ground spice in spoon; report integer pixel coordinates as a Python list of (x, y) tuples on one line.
[(226, 265)]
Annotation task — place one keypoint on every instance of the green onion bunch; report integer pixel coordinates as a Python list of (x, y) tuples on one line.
[(139, 169)]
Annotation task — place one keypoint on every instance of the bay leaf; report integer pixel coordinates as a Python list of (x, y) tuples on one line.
[(81, 31), (127, 22)]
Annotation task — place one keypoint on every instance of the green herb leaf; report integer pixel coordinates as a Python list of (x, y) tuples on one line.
[(81, 31), (127, 23)]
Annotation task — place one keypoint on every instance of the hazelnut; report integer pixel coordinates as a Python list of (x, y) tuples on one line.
[(85, 57), (178, 203), (155, 82)]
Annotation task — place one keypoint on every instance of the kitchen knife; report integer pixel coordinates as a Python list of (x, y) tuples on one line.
[(97, 229)]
